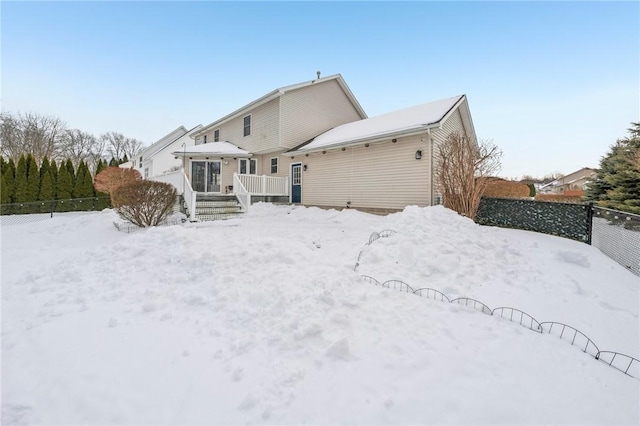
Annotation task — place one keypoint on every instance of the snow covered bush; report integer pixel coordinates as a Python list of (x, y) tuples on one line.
[(144, 202)]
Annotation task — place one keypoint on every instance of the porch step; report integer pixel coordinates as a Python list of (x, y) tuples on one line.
[(217, 216), (204, 210), (216, 207)]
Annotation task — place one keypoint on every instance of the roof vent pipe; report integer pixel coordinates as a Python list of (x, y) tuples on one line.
[(318, 73)]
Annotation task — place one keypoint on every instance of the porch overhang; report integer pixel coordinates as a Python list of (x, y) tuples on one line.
[(213, 149)]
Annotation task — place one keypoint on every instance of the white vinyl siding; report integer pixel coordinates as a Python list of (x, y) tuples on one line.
[(307, 112), (264, 129), (384, 175)]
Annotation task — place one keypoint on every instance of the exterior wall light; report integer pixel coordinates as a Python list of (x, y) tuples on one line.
[(304, 167), (366, 145), (394, 140), (418, 155)]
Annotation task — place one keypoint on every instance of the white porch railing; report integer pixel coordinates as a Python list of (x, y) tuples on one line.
[(241, 192), (181, 183), (263, 185)]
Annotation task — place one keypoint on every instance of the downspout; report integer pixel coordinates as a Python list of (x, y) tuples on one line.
[(430, 141)]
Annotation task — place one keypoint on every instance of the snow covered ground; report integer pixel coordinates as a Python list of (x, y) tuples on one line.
[(263, 320)]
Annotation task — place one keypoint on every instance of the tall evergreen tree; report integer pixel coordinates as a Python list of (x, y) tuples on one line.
[(46, 182), (3, 164), (64, 187), (104, 200), (22, 192), (33, 179), (71, 170), (100, 166), (113, 162), (617, 183), (53, 169), (5, 188), (8, 188), (84, 184)]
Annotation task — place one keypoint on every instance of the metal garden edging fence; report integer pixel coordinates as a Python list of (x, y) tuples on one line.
[(621, 362), (615, 233), (625, 363)]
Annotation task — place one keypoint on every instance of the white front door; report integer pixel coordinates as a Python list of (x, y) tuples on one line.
[(206, 176)]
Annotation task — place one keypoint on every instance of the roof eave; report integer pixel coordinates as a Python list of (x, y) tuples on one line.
[(380, 137)]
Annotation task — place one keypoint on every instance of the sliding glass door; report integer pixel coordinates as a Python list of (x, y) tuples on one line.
[(205, 176)]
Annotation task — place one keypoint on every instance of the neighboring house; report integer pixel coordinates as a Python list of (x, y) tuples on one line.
[(312, 144), (158, 159), (573, 184)]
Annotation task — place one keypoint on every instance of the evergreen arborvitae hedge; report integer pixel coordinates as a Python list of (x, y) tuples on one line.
[(33, 179), (22, 191), (8, 188)]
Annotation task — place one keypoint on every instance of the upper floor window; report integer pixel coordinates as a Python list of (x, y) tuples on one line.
[(205, 138), (140, 162), (216, 135), (247, 125), (274, 165)]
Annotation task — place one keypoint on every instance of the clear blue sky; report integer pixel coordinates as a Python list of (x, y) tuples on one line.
[(554, 84)]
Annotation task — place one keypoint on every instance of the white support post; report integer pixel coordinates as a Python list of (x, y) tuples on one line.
[(264, 184)]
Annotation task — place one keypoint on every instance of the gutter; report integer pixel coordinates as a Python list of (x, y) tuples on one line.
[(383, 137)]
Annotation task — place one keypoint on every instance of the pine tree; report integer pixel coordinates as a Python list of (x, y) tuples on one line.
[(83, 187), (8, 187), (617, 183), (64, 187), (71, 170), (46, 181), (104, 200), (33, 179), (100, 166), (53, 169), (113, 162), (22, 192)]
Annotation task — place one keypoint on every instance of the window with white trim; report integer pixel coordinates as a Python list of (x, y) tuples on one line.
[(274, 165), (247, 125), (248, 166), (216, 135)]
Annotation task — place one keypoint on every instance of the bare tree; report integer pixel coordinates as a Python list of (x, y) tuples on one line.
[(132, 148), (463, 168), (116, 144), (31, 133), (80, 146)]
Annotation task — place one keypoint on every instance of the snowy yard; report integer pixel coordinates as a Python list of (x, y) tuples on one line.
[(263, 320)]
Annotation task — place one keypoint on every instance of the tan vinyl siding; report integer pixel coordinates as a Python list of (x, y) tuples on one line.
[(384, 175), (307, 112), (264, 129)]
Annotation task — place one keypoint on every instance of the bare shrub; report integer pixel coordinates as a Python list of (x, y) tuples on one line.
[(502, 188), (145, 202), (112, 178), (463, 166)]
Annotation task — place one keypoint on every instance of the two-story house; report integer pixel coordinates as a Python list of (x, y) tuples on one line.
[(312, 144)]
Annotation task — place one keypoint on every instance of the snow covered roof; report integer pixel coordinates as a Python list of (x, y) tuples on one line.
[(281, 91), (167, 140), (420, 117), (213, 149)]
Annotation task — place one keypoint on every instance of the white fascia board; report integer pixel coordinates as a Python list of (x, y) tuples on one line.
[(239, 112), (381, 137)]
